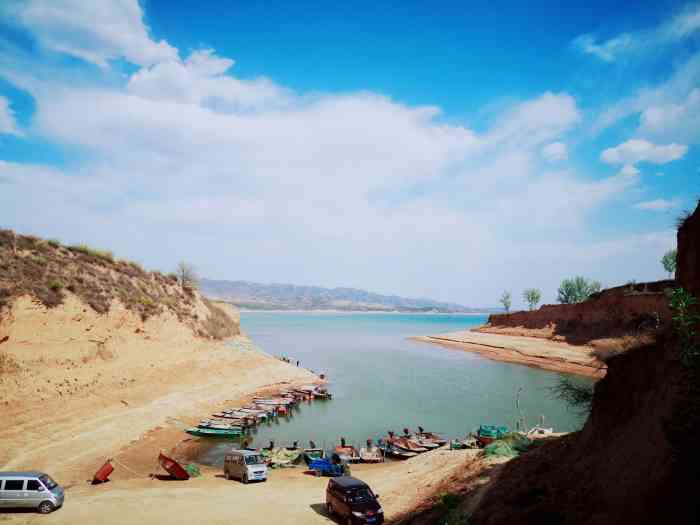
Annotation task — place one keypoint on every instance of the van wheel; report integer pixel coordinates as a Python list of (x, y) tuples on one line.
[(244, 479), (45, 507), (329, 508), (227, 475)]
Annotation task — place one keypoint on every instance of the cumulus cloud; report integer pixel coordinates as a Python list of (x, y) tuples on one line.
[(640, 150), (8, 124), (183, 160), (658, 205), (555, 152), (94, 31)]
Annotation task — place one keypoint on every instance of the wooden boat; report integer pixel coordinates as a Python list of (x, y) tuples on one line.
[(103, 473), (398, 453), (207, 423), (404, 443), (432, 436), (311, 454), (215, 432), (347, 452), (487, 434), (419, 440), (371, 453), (172, 467)]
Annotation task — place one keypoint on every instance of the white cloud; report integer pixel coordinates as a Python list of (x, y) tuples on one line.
[(186, 161), (679, 26), (667, 111), (629, 169), (658, 205), (639, 150), (676, 119), (555, 152), (8, 124), (607, 50), (95, 31)]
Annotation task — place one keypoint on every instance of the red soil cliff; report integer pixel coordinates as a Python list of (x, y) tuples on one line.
[(616, 312), (637, 459)]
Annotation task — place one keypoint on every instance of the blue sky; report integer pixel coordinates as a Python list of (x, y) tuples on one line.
[(443, 150)]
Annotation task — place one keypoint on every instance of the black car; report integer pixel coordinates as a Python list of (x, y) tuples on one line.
[(353, 501)]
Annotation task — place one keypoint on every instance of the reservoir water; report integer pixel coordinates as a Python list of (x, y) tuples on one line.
[(382, 381)]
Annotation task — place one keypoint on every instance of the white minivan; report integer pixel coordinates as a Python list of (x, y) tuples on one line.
[(30, 490), (246, 465)]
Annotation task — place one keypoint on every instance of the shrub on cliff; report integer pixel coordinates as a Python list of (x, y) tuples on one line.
[(669, 262), (577, 290), (532, 297)]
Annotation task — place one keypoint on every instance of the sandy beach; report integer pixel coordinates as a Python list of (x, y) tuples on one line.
[(289, 496), (536, 352)]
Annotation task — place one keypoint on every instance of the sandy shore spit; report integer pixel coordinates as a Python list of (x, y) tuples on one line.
[(536, 352)]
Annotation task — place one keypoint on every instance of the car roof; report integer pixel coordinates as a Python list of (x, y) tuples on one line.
[(348, 482), (22, 475)]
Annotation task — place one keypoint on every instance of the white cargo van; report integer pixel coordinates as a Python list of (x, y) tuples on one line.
[(246, 465)]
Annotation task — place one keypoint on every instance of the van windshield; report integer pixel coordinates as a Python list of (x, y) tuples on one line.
[(48, 482), (361, 496), (253, 460)]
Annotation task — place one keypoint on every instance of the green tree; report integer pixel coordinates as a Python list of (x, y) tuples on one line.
[(505, 301), (669, 262), (532, 297), (577, 290)]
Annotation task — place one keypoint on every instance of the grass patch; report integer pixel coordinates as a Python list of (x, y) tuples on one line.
[(55, 286), (92, 252)]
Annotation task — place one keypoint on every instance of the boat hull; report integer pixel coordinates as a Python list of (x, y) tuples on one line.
[(103, 473), (172, 467)]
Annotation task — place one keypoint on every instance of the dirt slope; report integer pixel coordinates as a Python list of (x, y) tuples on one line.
[(110, 359), (637, 459)]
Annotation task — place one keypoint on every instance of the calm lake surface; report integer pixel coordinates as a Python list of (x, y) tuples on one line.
[(381, 381)]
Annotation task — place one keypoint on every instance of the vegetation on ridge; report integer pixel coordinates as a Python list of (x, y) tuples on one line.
[(577, 290), (47, 271)]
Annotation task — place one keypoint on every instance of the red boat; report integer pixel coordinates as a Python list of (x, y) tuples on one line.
[(173, 467), (103, 473)]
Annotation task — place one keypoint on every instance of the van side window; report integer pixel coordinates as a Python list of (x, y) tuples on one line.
[(33, 484), (14, 484)]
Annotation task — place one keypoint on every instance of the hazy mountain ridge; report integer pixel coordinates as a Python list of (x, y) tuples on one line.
[(279, 296)]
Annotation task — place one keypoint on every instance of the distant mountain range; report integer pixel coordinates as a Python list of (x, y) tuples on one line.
[(256, 296)]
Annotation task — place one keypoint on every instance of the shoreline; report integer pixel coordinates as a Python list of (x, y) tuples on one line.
[(386, 312), (529, 351)]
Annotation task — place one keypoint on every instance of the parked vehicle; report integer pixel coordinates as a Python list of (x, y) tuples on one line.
[(353, 501), (246, 465), (30, 490), (397, 453), (327, 467)]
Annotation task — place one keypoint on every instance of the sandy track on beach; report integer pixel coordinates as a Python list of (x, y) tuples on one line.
[(288, 497), (530, 351)]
